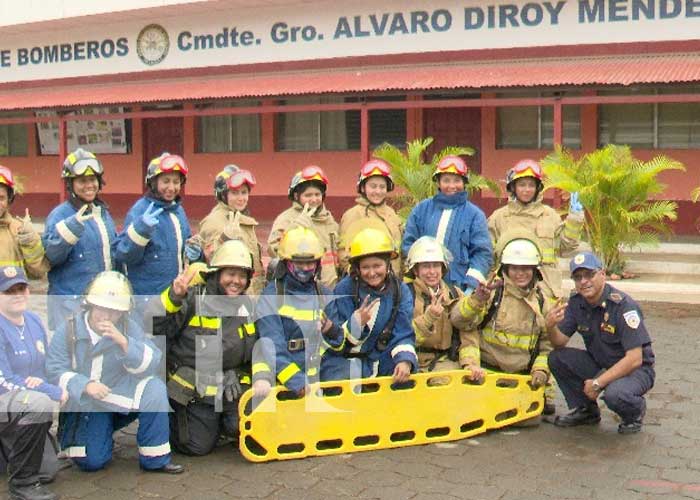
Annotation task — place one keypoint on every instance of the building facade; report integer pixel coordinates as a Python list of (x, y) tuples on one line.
[(274, 85)]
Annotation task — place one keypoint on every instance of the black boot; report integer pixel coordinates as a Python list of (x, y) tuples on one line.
[(36, 491), (583, 415)]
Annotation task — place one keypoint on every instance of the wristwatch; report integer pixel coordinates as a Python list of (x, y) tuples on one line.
[(596, 385)]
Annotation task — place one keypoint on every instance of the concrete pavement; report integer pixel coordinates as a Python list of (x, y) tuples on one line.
[(663, 461)]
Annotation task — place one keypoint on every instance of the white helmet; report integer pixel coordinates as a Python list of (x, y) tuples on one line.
[(427, 249), (521, 252), (110, 290)]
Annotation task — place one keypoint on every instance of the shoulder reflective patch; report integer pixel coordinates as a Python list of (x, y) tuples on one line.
[(632, 319)]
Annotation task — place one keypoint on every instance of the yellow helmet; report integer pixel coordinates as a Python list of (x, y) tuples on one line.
[(232, 253), (522, 252), (371, 241), (427, 249), (300, 243), (111, 290)]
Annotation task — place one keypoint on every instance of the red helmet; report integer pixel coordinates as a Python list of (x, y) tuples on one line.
[(7, 179), (311, 174), (524, 168), (164, 164), (452, 164), (375, 168), (232, 177)]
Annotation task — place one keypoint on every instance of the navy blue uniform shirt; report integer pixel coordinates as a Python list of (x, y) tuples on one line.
[(609, 329)]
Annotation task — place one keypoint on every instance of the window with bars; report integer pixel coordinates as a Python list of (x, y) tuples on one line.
[(532, 127), (228, 133), (655, 125), (14, 139)]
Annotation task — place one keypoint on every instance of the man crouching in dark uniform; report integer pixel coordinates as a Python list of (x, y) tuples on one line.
[(618, 361)]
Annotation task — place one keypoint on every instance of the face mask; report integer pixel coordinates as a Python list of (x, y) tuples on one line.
[(301, 275)]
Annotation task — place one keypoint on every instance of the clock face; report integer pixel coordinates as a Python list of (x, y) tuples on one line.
[(152, 44)]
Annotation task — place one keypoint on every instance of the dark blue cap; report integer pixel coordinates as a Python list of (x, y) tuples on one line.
[(10, 276), (585, 260)]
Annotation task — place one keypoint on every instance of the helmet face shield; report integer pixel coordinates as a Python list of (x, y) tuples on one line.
[(88, 167)]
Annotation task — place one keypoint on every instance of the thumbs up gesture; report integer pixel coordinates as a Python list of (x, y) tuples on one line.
[(26, 234)]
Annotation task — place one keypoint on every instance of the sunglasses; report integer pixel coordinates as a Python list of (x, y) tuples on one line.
[(584, 275)]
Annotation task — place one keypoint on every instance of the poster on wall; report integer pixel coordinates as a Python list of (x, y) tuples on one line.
[(98, 136)]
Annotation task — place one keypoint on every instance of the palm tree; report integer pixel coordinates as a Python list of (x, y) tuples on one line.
[(614, 189), (415, 177)]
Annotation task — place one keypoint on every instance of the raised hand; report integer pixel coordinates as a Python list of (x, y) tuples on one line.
[(107, 329), (150, 216), (483, 290), (26, 234), (575, 206), (82, 216), (556, 314), (182, 281), (436, 308), (364, 313)]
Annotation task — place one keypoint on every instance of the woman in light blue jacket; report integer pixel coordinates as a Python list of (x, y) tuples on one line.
[(152, 246), (78, 235), (456, 223)]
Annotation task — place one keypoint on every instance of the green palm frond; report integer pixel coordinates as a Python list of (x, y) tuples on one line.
[(413, 176), (615, 189)]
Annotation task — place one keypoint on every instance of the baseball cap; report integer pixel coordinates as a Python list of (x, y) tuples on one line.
[(586, 260), (10, 276)]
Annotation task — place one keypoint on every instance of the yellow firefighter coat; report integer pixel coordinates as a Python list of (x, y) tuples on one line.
[(211, 229), (515, 339), (351, 223), (553, 236), (31, 256), (325, 227)]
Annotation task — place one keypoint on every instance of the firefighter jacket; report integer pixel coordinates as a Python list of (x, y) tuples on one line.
[(325, 227), (287, 320), (461, 227), (22, 355), (77, 253), (209, 333), (379, 345), (211, 229), (152, 257), (73, 361), (514, 339), (351, 221), (30, 257), (436, 336), (553, 236)]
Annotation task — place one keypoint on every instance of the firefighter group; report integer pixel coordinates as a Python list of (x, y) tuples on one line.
[(371, 296)]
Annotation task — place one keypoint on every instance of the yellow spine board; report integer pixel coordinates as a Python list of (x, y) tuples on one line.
[(368, 414)]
